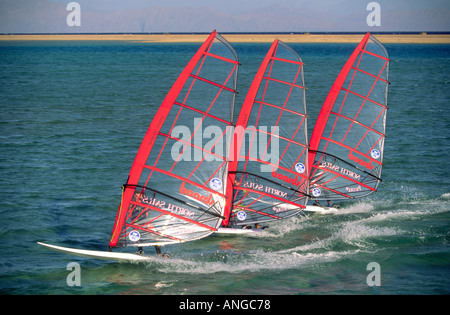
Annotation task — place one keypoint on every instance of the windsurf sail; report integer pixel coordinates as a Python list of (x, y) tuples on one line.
[(176, 187), (346, 145), (268, 170)]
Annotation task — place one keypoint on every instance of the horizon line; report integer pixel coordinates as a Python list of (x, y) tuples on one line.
[(244, 33)]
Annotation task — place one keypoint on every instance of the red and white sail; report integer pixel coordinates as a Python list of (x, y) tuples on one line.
[(268, 170), (177, 184), (346, 146)]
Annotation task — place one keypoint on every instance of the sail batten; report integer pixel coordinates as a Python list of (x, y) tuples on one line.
[(236, 62), (213, 83)]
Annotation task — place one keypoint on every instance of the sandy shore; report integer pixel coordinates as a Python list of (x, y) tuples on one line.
[(243, 38)]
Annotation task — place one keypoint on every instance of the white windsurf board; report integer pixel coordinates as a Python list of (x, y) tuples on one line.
[(106, 255), (236, 231), (319, 209)]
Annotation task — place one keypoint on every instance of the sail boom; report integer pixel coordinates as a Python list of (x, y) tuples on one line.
[(347, 178), (140, 204), (165, 212)]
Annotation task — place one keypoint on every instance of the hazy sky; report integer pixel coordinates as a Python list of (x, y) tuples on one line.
[(223, 15), (237, 6)]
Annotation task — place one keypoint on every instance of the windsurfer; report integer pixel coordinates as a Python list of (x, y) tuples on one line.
[(158, 252), (157, 249), (257, 227), (238, 193), (137, 197), (331, 205)]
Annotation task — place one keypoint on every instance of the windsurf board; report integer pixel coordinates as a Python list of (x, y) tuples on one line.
[(105, 255)]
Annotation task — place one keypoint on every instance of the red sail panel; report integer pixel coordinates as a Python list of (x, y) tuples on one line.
[(269, 158), (176, 187), (346, 146)]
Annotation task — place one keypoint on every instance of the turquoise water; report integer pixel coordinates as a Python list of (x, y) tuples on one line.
[(73, 114)]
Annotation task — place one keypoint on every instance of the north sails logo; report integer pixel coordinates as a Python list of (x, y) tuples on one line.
[(360, 161)]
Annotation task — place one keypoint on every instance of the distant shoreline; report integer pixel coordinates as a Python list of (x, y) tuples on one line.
[(413, 38)]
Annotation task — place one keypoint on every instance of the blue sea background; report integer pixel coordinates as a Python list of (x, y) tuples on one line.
[(73, 114)]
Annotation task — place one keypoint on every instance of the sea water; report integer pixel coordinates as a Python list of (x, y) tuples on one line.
[(73, 114)]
